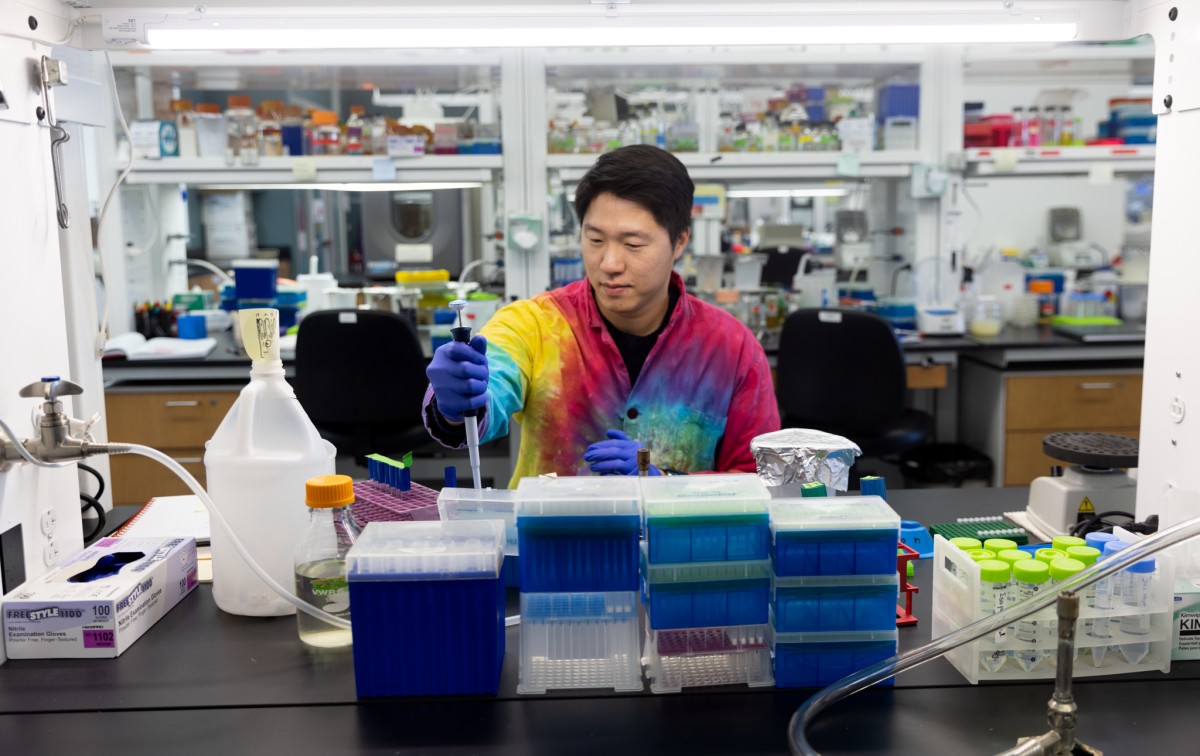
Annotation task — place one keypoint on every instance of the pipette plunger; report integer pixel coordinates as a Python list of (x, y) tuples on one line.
[(470, 417)]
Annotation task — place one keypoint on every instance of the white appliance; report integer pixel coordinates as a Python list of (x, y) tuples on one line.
[(1095, 484)]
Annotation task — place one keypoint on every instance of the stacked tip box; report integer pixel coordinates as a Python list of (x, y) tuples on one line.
[(486, 504), (428, 606), (834, 589), (706, 581), (578, 540)]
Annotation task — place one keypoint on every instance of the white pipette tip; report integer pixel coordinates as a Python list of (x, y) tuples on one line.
[(458, 305)]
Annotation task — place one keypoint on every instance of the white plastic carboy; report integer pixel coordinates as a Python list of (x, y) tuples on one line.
[(257, 463)]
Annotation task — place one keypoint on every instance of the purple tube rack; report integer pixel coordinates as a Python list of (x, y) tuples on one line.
[(379, 502)]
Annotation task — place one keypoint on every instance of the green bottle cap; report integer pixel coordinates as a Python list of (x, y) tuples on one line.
[(1063, 568), (1064, 542), (1013, 556), (813, 489), (978, 555), (994, 571), (1049, 555), (1086, 554), (999, 544), (965, 543), (1031, 571)]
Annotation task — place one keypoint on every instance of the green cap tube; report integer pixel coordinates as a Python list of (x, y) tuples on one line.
[(999, 544), (1063, 568), (966, 544), (1012, 556), (978, 555), (1064, 542), (1031, 571), (994, 571), (1049, 555), (813, 489), (1086, 554)]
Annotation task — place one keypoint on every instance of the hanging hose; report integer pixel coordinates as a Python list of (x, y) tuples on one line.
[(213, 511), (864, 678)]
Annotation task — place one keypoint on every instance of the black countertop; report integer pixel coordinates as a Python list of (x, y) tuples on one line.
[(205, 681)]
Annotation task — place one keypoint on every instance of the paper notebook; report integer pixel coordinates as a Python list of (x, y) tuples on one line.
[(168, 517), (135, 346)]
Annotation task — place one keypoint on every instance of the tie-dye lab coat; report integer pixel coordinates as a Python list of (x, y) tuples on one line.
[(704, 392)]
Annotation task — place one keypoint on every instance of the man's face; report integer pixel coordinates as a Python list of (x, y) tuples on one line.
[(628, 258)]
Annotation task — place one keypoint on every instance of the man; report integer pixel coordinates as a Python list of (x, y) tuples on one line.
[(621, 360)]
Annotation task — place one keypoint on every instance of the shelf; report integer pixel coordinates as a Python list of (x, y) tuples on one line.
[(333, 169), (763, 166), (1035, 161)]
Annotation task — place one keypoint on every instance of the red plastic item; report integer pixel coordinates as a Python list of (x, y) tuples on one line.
[(904, 615)]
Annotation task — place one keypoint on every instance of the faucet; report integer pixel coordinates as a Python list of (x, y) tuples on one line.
[(54, 443)]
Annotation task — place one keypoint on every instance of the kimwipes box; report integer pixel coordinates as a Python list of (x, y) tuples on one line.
[(101, 601)]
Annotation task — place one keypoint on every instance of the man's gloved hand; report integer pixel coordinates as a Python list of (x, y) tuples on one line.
[(459, 376), (617, 456)]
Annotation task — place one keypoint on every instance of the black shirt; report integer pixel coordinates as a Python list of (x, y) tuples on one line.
[(635, 349)]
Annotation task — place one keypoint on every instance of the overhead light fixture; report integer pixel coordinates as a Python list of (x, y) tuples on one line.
[(814, 192), (631, 26), (363, 186)]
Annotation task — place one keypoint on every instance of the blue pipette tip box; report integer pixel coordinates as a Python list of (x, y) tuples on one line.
[(578, 534), (579, 640), (428, 608), (705, 594), (835, 604), (814, 660), (706, 518), (845, 535)]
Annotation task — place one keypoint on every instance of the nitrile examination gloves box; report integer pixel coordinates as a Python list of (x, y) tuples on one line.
[(101, 601)]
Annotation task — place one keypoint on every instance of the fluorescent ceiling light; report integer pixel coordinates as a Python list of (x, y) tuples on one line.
[(375, 186), (754, 193), (214, 32)]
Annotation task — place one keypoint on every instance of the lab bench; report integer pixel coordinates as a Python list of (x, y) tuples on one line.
[(202, 681)]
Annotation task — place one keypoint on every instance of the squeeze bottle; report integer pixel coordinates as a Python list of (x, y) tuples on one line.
[(257, 463)]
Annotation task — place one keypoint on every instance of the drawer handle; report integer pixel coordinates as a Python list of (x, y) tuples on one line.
[(1100, 386), (192, 403), (188, 460)]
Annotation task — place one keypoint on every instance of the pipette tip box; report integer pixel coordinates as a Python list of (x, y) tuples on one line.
[(698, 657), (849, 535), (579, 640), (706, 518), (578, 534), (814, 660), (427, 600), (835, 603), (101, 601), (705, 594)]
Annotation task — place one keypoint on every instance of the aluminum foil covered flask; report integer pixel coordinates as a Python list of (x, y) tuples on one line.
[(789, 458)]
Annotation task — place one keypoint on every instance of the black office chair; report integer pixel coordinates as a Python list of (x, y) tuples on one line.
[(842, 371), (360, 376)]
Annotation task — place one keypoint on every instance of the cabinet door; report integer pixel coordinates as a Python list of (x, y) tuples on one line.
[(1074, 402), (167, 420), (136, 479), (1024, 459)]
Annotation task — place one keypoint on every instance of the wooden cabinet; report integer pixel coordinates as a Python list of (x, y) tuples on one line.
[(175, 422), (1007, 414)]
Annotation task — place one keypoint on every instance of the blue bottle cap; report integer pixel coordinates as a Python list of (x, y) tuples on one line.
[(1112, 547), (873, 485), (1097, 540), (1146, 565)]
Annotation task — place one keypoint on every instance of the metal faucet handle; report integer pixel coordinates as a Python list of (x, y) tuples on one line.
[(50, 388)]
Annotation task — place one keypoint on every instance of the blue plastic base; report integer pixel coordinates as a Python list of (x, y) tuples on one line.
[(835, 608), (916, 537), (676, 606), (835, 552), (815, 665), (427, 637), (582, 554)]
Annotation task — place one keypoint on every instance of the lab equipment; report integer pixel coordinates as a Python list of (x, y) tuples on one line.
[(354, 132), (257, 462), (1106, 592), (980, 528), (462, 334), (987, 318), (980, 554), (788, 458), (834, 603), (579, 640), (389, 494), (270, 128), (1096, 481), (966, 543), (849, 535), (242, 125), (914, 535), (994, 578), (695, 657), (808, 660), (185, 123), (255, 280), (814, 489), (154, 139), (428, 601), (101, 600), (999, 544), (708, 518), (321, 559), (1048, 555), (1064, 542), (326, 138), (705, 594), (291, 133), (1012, 556), (488, 504), (1138, 577), (1029, 577), (212, 135)]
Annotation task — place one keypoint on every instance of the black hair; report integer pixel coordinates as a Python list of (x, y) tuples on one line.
[(648, 176)]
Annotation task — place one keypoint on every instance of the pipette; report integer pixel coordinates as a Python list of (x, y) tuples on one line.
[(470, 417)]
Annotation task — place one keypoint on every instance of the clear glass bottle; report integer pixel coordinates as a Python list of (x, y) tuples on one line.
[(725, 131), (654, 129), (321, 559), (630, 132), (1067, 134), (242, 125), (993, 598), (212, 137), (987, 319), (355, 125), (770, 133), (1020, 131), (1050, 126), (185, 124), (326, 136), (379, 135), (270, 128), (1033, 128)]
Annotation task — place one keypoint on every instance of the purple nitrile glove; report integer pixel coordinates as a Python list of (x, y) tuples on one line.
[(458, 374), (617, 456)]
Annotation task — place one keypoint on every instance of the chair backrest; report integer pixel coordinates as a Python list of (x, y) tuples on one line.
[(359, 367), (842, 367)]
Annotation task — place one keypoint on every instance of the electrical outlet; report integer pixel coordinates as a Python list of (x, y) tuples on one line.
[(50, 553), (49, 520)]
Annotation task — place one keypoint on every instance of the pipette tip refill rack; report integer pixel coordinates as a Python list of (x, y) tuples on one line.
[(389, 494)]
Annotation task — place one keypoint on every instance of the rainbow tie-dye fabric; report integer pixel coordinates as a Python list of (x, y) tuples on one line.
[(704, 392)]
